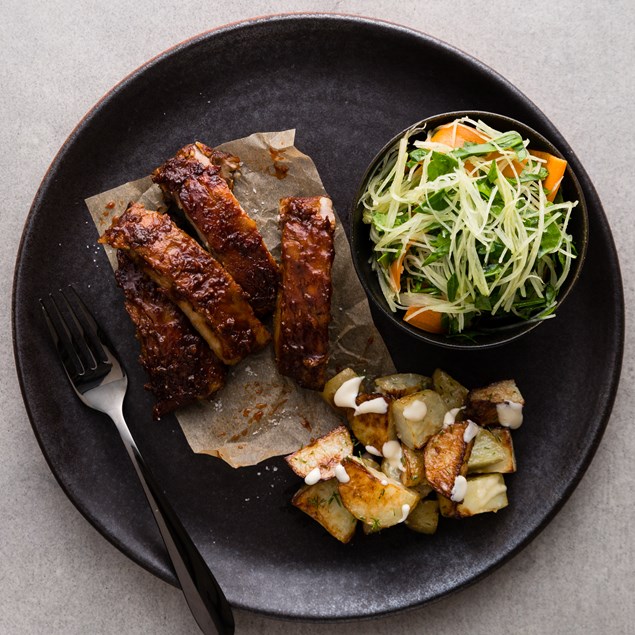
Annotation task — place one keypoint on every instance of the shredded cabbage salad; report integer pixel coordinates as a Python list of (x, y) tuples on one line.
[(468, 232)]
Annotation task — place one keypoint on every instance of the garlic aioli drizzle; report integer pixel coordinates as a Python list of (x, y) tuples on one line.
[(459, 490), (416, 410), (346, 395), (470, 432), (373, 450), (341, 474), (405, 510), (510, 414), (392, 453), (313, 476), (450, 416), (377, 406)]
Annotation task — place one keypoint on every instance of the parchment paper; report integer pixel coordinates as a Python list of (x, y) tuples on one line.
[(260, 413)]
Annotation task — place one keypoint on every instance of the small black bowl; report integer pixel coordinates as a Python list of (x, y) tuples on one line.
[(362, 246)]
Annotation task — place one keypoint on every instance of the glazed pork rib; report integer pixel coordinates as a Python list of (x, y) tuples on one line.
[(180, 365), (303, 310), (196, 282), (196, 180)]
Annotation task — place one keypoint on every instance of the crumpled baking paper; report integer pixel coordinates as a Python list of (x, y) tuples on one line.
[(259, 413)]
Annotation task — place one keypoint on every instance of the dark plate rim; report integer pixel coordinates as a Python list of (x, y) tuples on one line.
[(613, 379)]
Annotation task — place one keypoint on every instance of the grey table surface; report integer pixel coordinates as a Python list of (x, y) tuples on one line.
[(575, 60)]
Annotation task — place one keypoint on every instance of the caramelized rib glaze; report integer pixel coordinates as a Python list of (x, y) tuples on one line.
[(195, 179), (180, 365), (303, 309), (192, 279)]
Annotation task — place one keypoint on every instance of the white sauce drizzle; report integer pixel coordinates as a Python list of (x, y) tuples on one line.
[(373, 450), (341, 474), (384, 482), (416, 410), (450, 416), (376, 406), (392, 453), (346, 394), (405, 510), (510, 414), (313, 476), (470, 432), (459, 490)]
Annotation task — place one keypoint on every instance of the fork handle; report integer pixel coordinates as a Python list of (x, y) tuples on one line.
[(206, 600)]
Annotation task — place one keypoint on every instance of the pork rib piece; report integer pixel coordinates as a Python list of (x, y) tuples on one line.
[(196, 179), (197, 283), (303, 310), (180, 365)]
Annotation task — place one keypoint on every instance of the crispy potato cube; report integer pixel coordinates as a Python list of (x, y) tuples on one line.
[(423, 489), (324, 453), (482, 403), (507, 464), (371, 429), (446, 456), (374, 498), (323, 503), (375, 528), (402, 384), (447, 508), (415, 429), (367, 459), (452, 392), (485, 493), (487, 450), (334, 384), (424, 518), (391, 469), (414, 470)]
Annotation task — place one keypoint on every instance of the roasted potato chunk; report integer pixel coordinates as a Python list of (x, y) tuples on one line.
[(452, 392), (323, 503), (324, 454), (507, 463), (424, 518), (402, 384), (487, 450), (333, 385), (485, 493), (414, 470), (417, 417), (484, 404), (374, 498), (423, 489), (445, 457), (371, 429), (391, 469)]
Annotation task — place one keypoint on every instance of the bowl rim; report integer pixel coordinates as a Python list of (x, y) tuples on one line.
[(514, 331)]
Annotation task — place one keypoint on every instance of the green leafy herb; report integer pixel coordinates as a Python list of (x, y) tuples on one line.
[(453, 287), (441, 164)]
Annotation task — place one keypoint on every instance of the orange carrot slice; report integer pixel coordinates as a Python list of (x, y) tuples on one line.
[(455, 137), (396, 269), (427, 320), (556, 168)]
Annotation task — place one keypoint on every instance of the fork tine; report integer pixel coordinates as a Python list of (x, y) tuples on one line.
[(94, 336), (62, 339), (77, 333)]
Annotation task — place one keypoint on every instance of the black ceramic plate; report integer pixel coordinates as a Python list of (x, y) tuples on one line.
[(347, 85)]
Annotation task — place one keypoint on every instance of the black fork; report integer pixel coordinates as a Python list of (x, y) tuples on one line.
[(91, 365)]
